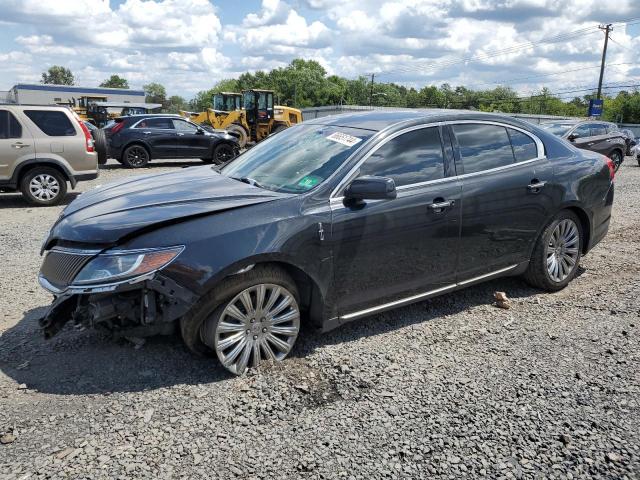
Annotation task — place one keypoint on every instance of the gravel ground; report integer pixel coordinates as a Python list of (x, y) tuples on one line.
[(449, 388)]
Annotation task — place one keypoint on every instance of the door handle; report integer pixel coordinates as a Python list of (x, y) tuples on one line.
[(591, 143), (147, 133), (535, 186), (20, 145), (180, 134), (439, 206)]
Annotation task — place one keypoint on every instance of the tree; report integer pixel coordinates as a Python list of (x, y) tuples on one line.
[(115, 81), (155, 93), (58, 75), (176, 103)]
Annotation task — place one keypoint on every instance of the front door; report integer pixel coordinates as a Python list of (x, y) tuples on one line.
[(16, 144), (391, 249), (506, 196), (190, 143)]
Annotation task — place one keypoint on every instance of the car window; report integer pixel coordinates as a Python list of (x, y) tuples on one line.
[(524, 147), (52, 122), (483, 147), (598, 129), (184, 127), (583, 130), (162, 123), (612, 128), (413, 157), (9, 126)]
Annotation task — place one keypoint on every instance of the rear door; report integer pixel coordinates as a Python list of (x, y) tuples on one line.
[(190, 143), (506, 195), (390, 249), (16, 144), (160, 134)]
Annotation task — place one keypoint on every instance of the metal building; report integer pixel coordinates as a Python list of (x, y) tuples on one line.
[(40, 94)]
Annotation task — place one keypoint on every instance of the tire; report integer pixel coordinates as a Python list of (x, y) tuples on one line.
[(638, 161), (135, 156), (243, 137), (100, 141), (539, 272), (199, 327), (52, 183), (223, 153), (617, 158), (278, 128)]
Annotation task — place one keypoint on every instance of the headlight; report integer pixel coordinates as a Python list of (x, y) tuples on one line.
[(120, 265)]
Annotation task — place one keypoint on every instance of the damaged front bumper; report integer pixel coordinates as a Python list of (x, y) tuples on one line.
[(147, 305)]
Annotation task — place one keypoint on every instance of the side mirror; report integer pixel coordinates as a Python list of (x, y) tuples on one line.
[(200, 131), (572, 137), (371, 188)]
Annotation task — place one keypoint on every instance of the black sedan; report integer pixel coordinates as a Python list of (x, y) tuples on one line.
[(135, 140), (329, 221)]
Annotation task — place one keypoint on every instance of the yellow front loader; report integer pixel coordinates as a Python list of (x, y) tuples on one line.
[(252, 122)]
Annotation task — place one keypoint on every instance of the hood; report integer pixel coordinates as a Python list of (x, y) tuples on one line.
[(108, 213)]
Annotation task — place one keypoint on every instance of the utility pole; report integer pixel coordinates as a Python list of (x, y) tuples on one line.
[(373, 76), (606, 28)]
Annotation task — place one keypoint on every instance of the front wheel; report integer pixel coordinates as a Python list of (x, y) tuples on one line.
[(556, 255), (223, 153), (251, 317), (44, 186)]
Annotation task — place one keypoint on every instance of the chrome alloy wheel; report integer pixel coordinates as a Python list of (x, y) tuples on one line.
[(44, 187), (261, 322), (562, 250), (137, 156)]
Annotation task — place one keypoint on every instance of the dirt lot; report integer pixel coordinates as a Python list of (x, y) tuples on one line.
[(449, 388)]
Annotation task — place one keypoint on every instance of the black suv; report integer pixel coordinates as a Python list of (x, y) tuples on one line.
[(136, 139)]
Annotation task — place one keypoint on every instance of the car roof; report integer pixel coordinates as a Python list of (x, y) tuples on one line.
[(377, 120)]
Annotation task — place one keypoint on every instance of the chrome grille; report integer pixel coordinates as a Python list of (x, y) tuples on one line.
[(61, 266)]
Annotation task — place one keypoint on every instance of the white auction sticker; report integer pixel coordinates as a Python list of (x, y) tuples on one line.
[(343, 138)]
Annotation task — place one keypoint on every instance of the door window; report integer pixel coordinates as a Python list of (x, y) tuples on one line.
[(9, 126), (524, 148), (413, 157), (161, 123), (583, 130), (184, 127), (53, 123), (483, 147), (598, 129)]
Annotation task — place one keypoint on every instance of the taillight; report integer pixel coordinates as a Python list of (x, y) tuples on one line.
[(87, 137), (117, 127), (612, 168)]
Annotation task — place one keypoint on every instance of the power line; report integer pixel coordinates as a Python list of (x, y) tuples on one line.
[(621, 45)]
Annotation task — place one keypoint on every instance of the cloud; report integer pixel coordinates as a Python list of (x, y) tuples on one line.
[(184, 44)]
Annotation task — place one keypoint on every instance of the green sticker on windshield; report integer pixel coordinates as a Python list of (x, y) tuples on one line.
[(309, 181)]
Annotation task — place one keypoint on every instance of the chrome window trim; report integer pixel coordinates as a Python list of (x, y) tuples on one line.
[(421, 296), (135, 125), (348, 177)]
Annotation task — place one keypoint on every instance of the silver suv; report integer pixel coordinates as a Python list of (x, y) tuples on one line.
[(41, 149)]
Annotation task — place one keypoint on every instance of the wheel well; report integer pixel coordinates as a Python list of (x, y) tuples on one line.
[(27, 168), (141, 144), (586, 226), (310, 296)]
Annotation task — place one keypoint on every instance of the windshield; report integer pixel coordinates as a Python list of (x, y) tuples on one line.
[(558, 129), (297, 159)]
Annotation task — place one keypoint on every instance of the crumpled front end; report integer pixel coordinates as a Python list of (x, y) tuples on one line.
[(127, 305)]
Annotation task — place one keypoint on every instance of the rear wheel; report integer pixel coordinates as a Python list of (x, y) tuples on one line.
[(249, 318), (135, 156), (44, 186), (556, 255), (617, 159)]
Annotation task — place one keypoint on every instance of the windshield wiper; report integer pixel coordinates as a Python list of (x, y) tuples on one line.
[(249, 181)]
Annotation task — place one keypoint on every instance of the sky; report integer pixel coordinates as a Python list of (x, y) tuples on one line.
[(188, 45)]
